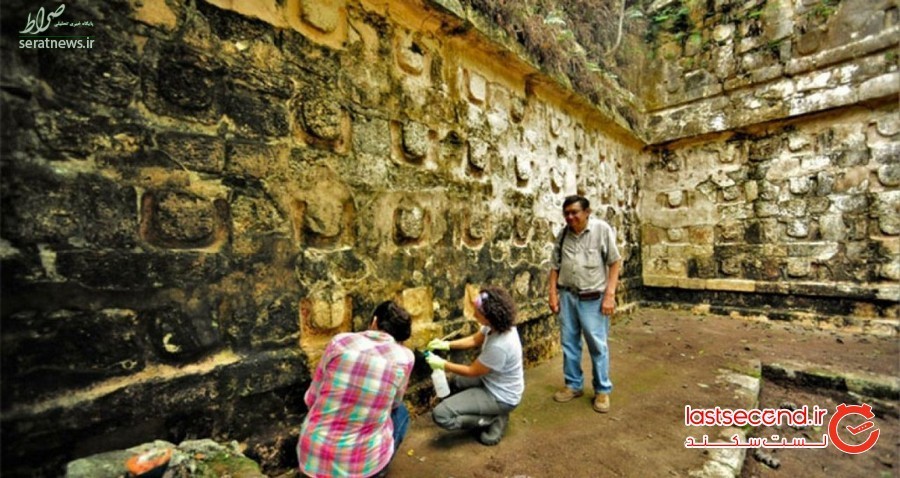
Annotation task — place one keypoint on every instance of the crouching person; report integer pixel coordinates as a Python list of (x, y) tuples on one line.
[(356, 417), (491, 386)]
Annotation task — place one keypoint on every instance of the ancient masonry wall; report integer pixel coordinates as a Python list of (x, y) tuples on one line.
[(774, 185), (196, 204)]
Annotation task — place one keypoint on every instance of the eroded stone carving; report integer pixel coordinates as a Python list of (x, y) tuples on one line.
[(415, 140), (179, 219), (410, 223)]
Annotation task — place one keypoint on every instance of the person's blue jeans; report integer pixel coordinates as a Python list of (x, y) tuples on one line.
[(577, 318), (400, 419)]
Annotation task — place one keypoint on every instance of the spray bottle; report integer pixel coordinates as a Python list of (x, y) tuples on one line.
[(439, 379)]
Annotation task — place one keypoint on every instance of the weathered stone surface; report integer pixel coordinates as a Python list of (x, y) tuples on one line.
[(255, 176), (53, 207), (415, 140), (410, 222), (323, 15), (182, 220), (201, 153), (66, 349)]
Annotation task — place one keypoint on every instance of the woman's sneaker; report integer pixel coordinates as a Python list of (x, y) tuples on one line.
[(492, 435)]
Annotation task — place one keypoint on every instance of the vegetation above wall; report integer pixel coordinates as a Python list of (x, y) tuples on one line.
[(582, 43)]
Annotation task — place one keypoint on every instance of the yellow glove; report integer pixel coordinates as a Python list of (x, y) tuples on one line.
[(435, 362), (438, 344)]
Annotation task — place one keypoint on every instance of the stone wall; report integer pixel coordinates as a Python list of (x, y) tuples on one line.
[(773, 189), (196, 204)]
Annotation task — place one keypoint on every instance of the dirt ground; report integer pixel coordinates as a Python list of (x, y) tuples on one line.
[(661, 361)]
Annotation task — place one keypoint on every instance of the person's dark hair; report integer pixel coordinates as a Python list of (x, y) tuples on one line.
[(498, 308), (394, 320), (575, 198)]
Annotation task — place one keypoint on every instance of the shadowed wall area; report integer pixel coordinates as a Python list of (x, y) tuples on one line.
[(195, 204)]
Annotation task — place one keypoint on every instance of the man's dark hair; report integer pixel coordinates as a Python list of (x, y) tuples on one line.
[(575, 198), (498, 308), (394, 320)]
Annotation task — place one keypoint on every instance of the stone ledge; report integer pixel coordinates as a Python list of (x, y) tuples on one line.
[(880, 391), (728, 462), (851, 51), (834, 289)]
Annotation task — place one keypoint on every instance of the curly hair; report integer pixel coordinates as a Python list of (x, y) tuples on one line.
[(498, 308)]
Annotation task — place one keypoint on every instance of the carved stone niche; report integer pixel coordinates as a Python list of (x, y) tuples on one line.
[(523, 169), (480, 152), (414, 138), (410, 224), (477, 227), (324, 215), (411, 56), (522, 230), (557, 178), (320, 319), (322, 117), (183, 220), (517, 109)]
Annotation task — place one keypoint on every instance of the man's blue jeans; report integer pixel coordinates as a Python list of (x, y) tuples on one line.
[(577, 318)]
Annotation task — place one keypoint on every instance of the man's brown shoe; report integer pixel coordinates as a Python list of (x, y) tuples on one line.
[(601, 403), (567, 394)]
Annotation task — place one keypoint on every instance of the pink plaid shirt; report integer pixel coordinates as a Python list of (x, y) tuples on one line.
[(348, 431)]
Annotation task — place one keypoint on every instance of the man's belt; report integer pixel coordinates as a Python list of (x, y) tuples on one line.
[(582, 294)]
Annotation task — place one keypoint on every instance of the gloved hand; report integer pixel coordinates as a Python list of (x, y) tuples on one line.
[(435, 362), (438, 344)]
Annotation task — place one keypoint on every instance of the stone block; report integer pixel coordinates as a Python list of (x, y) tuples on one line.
[(323, 15), (324, 212), (476, 87), (409, 222), (523, 167), (419, 302), (371, 135), (255, 113), (251, 159), (182, 220), (850, 203), (46, 353), (701, 235), (65, 211), (480, 154), (885, 153), (253, 218), (323, 117), (410, 55), (675, 198), (885, 85), (764, 209), (832, 227), (117, 270), (182, 84), (195, 152), (797, 267), (730, 231), (415, 140), (889, 175)]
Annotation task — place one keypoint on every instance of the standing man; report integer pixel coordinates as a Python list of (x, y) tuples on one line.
[(584, 273), (356, 417)]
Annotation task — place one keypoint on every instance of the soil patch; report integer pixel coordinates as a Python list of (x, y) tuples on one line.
[(662, 360)]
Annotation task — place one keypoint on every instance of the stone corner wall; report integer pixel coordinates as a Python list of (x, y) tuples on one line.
[(773, 187), (724, 65)]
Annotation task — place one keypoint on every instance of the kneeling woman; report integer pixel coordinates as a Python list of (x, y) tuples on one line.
[(492, 385)]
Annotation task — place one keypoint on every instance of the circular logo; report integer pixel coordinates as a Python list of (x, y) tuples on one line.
[(842, 411)]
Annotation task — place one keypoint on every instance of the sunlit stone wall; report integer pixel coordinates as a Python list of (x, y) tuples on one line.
[(196, 204)]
